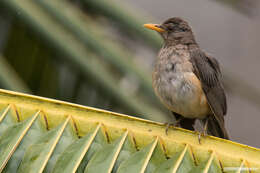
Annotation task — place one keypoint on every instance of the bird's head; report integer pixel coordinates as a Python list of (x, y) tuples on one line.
[(174, 30)]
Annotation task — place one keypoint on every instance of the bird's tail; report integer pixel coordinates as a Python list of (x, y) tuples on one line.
[(215, 128)]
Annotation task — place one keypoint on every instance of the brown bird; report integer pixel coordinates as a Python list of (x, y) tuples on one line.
[(187, 80)]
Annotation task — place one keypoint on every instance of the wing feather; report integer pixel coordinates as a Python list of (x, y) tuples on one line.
[(207, 70)]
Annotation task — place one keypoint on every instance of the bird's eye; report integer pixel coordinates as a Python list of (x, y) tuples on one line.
[(184, 29), (170, 26)]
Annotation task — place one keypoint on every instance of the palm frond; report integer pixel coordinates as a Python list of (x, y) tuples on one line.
[(54, 136)]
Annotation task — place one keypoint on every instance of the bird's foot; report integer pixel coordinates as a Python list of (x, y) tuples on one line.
[(202, 134), (204, 131), (175, 124)]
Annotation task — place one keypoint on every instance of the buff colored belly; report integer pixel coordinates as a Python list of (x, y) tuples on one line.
[(183, 94)]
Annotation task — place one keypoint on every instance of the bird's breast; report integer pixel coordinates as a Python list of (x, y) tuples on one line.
[(179, 89)]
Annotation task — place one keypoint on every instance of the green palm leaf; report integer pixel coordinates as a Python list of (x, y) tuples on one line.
[(44, 135)]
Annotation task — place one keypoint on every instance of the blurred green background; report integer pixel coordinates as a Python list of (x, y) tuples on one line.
[(97, 53)]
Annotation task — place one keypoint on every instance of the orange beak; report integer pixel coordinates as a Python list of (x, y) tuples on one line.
[(154, 27)]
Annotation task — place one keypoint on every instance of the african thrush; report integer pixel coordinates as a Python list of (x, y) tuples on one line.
[(187, 80)]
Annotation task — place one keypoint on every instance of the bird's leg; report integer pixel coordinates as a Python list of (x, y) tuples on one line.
[(204, 132), (175, 124)]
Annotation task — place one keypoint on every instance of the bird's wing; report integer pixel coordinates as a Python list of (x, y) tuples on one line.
[(208, 72)]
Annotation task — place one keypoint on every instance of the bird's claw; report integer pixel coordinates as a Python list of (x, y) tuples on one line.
[(175, 124), (167, 127), (202, 134), (204, 131)]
